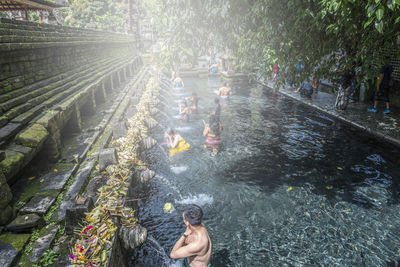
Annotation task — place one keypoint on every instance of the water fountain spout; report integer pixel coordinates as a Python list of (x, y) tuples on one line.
[(160, 250)]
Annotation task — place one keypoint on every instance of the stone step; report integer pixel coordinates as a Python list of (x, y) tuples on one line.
[(35, 38), (11, 246), (43, 29), (55, 80), (38, 204), (25, 223), (46, 236), (6, 47), (47, 100)]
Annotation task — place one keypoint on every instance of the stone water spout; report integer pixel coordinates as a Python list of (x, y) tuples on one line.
[(148, 143), (146, 175), (133, 237), (151, 123)]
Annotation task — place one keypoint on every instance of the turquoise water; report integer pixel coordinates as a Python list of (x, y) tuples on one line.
[(291, 187)]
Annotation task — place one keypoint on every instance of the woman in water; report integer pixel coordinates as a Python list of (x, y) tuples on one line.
[(213, 131), (184, 112), (176, 143)]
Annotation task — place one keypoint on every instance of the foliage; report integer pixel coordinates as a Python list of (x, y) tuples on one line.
[(48, 258), (263, 32), (106, 15)]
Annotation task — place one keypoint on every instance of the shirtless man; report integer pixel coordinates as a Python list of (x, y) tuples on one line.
[(224, 92), (194, 244)]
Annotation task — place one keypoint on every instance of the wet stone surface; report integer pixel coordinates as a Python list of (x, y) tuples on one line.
[(38, 204), (42, 244), (76, 186), (57, 180), (74, 215), (107, 157), (7, 254), (119, 130), (24, 223), (93, 185)]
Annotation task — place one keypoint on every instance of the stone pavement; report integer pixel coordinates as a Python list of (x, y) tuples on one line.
[(384, 127)]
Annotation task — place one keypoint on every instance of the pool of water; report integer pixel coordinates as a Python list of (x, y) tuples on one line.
[(291, 186)]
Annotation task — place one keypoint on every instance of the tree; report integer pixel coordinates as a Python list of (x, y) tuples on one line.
[(265, 31), (106, 15)]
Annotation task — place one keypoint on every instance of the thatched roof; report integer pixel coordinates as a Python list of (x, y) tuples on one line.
[(10, 5)]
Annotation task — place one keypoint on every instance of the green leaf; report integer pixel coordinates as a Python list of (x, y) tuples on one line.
[(379, 26), (379, 13), (371, 10), (397, 20), (368, 22)]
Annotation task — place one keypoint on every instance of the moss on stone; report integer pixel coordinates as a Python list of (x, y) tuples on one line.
[(18, 241), (3, 121), (12, 163), (5, 195), (33, 136)]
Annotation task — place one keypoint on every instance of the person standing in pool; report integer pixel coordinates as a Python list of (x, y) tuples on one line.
[(178, 82), (184, 112), (194, 245), (224, 92), (213, 131), (194, 100)]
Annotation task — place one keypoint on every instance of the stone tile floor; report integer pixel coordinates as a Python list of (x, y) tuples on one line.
[(386, 127)]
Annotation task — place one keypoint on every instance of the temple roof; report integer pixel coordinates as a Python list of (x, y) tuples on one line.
[(9, 5)]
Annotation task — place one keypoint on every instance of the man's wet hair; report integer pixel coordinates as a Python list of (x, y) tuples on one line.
[(171, 131), (225, 83), (193, 214)]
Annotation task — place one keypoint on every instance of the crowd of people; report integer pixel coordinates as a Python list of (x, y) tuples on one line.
[(194, 245), (188, 106), (349, 82)]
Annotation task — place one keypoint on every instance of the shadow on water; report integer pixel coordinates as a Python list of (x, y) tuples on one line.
[(291, 186)]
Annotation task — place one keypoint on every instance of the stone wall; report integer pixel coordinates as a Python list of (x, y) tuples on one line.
[(48, 74)]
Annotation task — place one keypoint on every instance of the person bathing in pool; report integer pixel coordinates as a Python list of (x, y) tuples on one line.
[(194, 100), (176, 143), (194, 245), (184, 111), (224, 92), (213, 131), (178, 82)]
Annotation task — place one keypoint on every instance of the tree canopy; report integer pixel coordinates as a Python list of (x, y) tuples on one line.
[(265, 31), (109, 15)]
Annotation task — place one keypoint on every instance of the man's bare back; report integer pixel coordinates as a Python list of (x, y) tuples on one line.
[(203, 242), (225, 91), (195, 243)]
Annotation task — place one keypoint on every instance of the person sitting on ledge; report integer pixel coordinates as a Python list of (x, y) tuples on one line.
[(176, 143), (305, 89), (178, 82), (194, 245)]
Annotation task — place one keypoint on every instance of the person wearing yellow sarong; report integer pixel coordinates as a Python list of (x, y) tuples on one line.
[(176, 143)]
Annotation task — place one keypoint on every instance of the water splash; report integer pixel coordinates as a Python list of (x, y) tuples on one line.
[(160, 251), (200, 199), (179, 169)]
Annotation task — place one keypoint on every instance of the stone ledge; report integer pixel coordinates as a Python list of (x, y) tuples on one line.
[(33, 136), (10, 247)]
